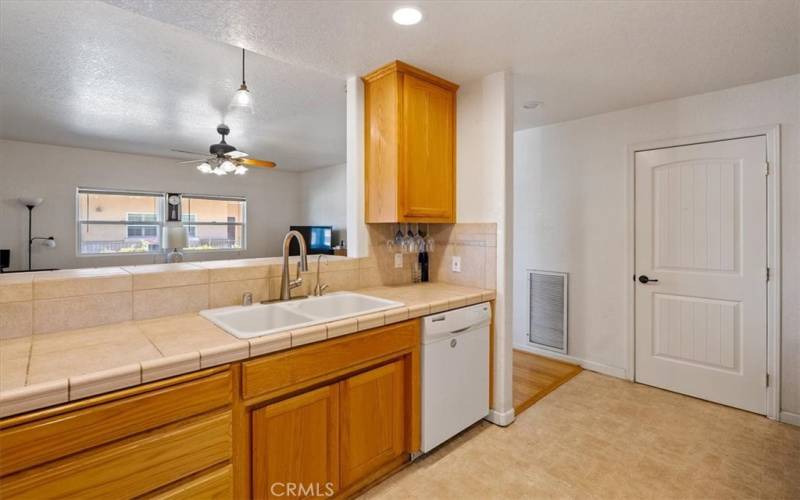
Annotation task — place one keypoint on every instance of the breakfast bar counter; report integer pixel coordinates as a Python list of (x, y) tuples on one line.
[(47, 369)]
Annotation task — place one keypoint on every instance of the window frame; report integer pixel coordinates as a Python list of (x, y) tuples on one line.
[(243, 224), (79, 223), (161, 223)]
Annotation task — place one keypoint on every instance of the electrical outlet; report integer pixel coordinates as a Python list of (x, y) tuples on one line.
[(398, 261), (456, 264)]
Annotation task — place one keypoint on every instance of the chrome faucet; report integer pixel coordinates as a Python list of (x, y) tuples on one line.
[(319, 289), (302, 265), (247, 299)]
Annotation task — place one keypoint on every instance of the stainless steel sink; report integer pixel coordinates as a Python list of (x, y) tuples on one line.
[(247, 322)]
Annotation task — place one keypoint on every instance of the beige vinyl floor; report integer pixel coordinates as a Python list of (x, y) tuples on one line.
[(601, 437)]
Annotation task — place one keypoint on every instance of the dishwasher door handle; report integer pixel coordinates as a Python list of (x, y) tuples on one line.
[(462, 329)]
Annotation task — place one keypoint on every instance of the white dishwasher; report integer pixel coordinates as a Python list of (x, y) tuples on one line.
[(455, 372)]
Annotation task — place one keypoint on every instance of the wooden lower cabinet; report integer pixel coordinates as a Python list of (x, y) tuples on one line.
[(326, 440), (318, 420), (216, 484), (372, 421), (295, 446), (335, 419)]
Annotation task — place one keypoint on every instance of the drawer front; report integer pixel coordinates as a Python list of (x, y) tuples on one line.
[(52, 438), (214, 485), (130, 468), (278, 371)]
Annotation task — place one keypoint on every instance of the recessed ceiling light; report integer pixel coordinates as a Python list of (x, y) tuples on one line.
[(532, 104), (407, 16)]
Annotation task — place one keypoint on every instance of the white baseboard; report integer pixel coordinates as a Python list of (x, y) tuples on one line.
[(502, 419), (612, 371), (788, 417)]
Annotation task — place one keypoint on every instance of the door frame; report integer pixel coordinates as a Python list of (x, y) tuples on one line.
[(772, 133)]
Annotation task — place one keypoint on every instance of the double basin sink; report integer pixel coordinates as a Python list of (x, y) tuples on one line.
[(246, 322)]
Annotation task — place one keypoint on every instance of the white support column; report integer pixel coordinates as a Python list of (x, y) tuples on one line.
[(485, 132), (357, 236)]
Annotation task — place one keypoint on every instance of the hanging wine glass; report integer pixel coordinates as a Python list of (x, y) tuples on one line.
[(429, 241), (395, 244), (419, 241), (408, 241)]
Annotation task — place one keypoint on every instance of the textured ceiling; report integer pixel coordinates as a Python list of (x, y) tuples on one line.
[(154, 75), (579, 57), (88, 74)]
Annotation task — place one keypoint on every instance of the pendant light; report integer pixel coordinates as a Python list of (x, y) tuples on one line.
[(242, 99)]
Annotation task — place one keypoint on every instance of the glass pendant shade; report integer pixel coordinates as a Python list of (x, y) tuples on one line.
[(227, 166), (242, 100), (219, 171), (205, 168), (240, 170)]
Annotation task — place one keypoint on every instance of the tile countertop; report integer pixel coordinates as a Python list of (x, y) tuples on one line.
[(54, 368)]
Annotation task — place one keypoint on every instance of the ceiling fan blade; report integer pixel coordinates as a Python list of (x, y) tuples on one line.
[(252, 162), (188, 152), (198, 160), (235, 155)]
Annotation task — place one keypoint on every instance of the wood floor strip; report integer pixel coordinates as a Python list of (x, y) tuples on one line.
[(537, 376)]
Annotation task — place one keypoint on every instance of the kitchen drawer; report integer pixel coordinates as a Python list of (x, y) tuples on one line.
[(132, 467), (216, 484), (48, 439), (317, 362)]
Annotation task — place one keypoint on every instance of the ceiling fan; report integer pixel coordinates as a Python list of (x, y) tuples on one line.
[(225, 158)]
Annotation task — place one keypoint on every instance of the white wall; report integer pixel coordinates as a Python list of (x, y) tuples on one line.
[(323, 198), (54, 172), (571, 210), (484, 194)]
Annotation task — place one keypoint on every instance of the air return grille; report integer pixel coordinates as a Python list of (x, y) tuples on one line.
[(547, 310)]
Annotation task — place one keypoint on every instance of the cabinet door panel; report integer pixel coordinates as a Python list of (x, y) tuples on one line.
[(296, 446), (214, 485), (372, 424), (428, 169), (130, 468)]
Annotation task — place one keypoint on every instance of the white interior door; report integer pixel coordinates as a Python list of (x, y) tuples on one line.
[(701, 232)]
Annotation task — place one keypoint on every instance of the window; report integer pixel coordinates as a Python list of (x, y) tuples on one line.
[(191, 231), (114, 222), (143, 231), (214, 222)]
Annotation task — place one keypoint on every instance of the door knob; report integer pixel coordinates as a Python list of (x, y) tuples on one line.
[(644, 280)]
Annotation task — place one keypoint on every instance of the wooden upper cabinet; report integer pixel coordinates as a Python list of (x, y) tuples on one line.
[(410, 128)]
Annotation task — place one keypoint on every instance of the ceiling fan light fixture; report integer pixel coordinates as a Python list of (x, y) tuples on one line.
[(227, 166), (242, 98), (205, 168), (219, 171), (240, 170)]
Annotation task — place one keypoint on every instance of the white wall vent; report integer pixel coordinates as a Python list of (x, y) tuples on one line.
[(547, 310)]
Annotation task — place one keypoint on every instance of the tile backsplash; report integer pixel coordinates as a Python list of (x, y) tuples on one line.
[(45, 302), (475, 244)]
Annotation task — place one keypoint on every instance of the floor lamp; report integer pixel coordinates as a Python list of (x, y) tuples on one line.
[(50, 241)]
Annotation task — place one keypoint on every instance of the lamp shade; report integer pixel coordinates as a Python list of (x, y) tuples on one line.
[(242, 100), (176, 236)]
